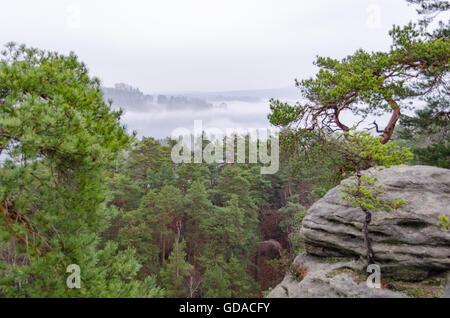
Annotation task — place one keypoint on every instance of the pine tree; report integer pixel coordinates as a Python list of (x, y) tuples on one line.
[(161, 177), (59, 137), (198, 207), (227, 279), (374, 83), (169, 207), (217, 281), (225, 231), (427, 133), (176, 271), (145, 155), (190, 172), (140, 231)]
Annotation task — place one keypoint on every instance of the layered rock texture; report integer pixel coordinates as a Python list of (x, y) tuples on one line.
[(409, 244), (326, 278)]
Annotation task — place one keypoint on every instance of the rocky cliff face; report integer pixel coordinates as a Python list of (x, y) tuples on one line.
[(409, 244), (328, 278)]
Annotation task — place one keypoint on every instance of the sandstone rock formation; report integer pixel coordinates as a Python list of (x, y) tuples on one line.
[(327, 279), (270, 248), (407, 241)]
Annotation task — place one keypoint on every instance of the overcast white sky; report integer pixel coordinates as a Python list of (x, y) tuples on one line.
[(202, 45)]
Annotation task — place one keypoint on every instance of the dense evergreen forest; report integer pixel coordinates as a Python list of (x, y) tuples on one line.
[(76, 188)]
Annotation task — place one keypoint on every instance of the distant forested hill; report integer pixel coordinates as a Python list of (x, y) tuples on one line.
[(130, 98)]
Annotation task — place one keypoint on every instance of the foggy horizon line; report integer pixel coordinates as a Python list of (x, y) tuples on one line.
[(206, 91)]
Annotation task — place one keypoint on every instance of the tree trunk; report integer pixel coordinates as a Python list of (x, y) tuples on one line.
[(163, 258), (256, 265), (369, 251), (389, 130), (196, 245)]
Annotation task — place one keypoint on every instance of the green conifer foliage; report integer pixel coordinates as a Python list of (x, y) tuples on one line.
[(58, 137)]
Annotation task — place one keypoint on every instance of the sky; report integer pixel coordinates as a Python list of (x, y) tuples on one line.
[(203, 45)]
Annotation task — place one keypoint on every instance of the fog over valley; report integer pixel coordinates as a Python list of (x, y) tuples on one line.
[(157, 115)]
